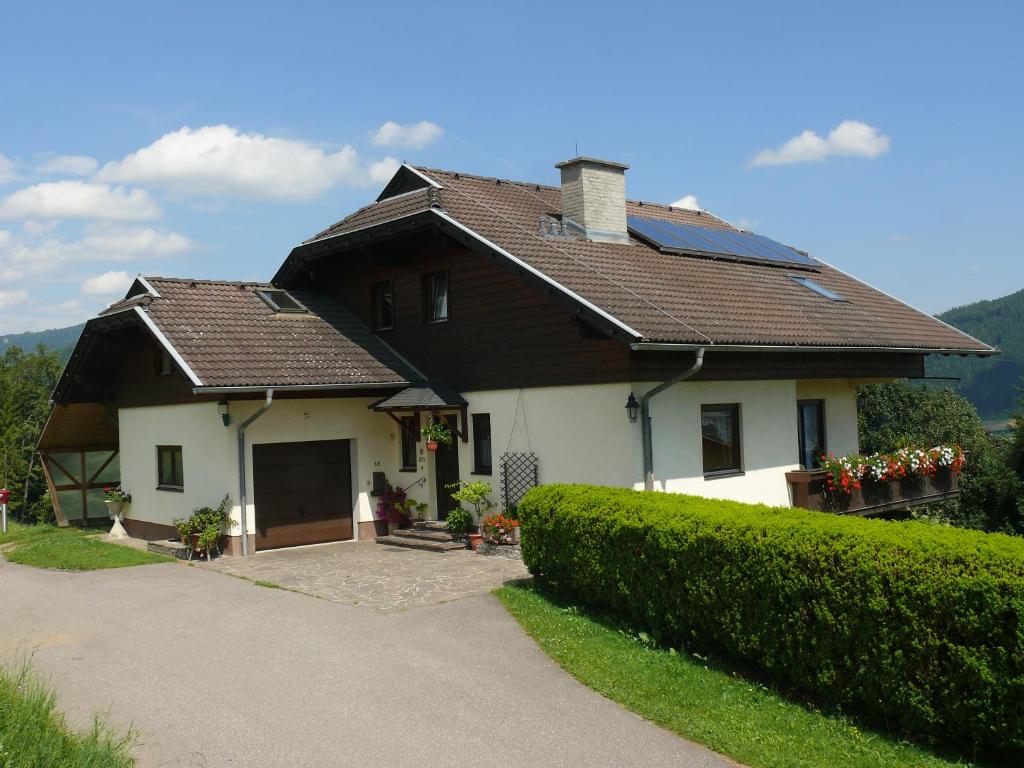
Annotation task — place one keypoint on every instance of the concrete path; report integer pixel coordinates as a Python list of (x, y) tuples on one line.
[(376, 576), (216, 671)]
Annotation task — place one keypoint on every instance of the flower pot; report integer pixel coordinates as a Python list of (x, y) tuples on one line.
[(431, 445), (114, 509), (474, 540)]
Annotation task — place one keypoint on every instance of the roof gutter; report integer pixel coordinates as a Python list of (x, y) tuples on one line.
[(241, 469), (240, 390), (645, 416), (646, 346)]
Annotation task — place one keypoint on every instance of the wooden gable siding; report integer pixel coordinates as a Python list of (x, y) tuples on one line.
[(120, 368), (721, 365), (502, 332)]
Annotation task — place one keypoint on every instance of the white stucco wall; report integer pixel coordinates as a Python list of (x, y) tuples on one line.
[(840, 396), (768, 439), (210, 452), (207, 452), (581, 434)]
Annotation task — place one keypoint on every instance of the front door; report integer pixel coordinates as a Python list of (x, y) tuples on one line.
[(446, 471), (303, 492)]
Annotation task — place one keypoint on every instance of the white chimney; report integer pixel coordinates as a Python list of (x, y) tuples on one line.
[(594, 197)]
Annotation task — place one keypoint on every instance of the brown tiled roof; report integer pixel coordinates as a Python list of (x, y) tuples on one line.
[(230, 337), (669, 298)]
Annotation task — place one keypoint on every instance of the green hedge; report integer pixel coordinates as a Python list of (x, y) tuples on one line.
[(918, 627)]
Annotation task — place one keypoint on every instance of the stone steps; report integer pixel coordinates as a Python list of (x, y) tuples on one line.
[(168, 547), (425, 544), (426, 534), (431, 536)]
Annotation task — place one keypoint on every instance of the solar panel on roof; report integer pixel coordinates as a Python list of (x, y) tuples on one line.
[(689, 238)]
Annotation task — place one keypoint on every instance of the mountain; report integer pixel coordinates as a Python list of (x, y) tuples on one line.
[(993, 384), (61, 339)]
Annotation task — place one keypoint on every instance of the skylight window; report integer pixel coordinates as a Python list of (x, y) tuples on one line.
[(813, 286), (280, 301)]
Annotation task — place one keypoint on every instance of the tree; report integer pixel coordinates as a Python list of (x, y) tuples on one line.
[(894, 415), (26, 381)]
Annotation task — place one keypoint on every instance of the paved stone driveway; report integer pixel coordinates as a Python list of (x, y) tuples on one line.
[(374, 575)]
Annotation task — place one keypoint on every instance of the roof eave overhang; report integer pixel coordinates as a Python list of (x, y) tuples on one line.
[(648, 346), (251, 388)]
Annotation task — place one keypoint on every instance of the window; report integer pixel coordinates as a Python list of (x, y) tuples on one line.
[(481, 443), (163, 362), (280, 301), (168, 468), (435, 296), (720, 438), (408, 443), (382, 298), (811, 424), (819, 289)]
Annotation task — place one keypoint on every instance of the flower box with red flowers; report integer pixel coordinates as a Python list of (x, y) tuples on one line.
[(881, 482)]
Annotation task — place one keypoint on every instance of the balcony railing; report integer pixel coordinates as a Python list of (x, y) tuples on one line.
[(810, 492)]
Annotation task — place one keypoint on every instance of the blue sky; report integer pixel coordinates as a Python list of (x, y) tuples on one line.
[(206, 139)]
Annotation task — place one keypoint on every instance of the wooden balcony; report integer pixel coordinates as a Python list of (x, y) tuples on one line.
[(809, 491)]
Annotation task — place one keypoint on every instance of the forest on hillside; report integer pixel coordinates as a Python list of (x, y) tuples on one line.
[(26, 381), (993, 384), (61, 340)]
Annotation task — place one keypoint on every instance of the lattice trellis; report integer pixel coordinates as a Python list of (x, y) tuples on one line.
[(519, 473)]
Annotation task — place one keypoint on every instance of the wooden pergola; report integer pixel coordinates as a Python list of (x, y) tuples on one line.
[(78, 446)]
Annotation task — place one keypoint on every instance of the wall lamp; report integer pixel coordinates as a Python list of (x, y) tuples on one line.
[(222, 409), (632, 408)]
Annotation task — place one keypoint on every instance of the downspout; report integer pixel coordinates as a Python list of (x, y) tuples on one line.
[(241, 467), (645, 416)]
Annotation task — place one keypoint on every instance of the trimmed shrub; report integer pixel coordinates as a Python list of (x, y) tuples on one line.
[(918, 627)]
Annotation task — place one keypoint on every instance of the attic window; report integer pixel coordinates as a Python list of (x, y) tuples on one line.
[(813, 286), (280, 301)]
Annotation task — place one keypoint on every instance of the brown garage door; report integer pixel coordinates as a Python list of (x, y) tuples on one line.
[(303, 492)]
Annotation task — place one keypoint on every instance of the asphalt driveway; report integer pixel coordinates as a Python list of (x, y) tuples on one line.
[(216, 671)]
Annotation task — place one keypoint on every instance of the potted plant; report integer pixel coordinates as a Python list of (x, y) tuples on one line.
[(476, 495), (202, 530), (460, 523), (391, 507), (499, 529), (436, 433), (116, 498)]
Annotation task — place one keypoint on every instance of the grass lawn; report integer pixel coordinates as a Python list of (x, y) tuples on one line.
[(70, 549), (33, 734), (691, 697)]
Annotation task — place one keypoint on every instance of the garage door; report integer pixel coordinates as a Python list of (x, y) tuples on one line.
[(303, 492)]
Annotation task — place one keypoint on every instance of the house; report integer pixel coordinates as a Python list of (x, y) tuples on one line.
[(565, 333)]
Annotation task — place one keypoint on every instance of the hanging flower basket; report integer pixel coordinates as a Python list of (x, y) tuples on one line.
[(436, 433)]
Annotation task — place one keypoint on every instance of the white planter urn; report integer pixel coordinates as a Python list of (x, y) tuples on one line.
[(116, 509)]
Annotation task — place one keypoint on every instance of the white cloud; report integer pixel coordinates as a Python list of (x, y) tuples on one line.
[(382, 170), (415, 135), (107, 284), (78, 200), (124, 243), (7, 172), (851, 138), (12, 298), (221, 160), (23, 257), (68, 165), (688, 202), (5, 238)]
